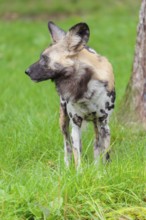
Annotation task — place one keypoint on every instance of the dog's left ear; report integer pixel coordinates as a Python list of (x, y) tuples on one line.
[(77, 37), (56, 33)]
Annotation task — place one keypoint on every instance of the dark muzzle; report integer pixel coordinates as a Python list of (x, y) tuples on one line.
[(27, 71)]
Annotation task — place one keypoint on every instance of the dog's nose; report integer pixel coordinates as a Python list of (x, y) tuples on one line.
[(27, 71)]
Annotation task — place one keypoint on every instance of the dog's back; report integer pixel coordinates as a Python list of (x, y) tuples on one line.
[(101, 67)]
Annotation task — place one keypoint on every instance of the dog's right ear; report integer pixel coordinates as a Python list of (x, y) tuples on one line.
[(56, 33), (77, 37)]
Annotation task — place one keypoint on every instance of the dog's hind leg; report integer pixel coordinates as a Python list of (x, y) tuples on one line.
[(102, 140), (64, 124)]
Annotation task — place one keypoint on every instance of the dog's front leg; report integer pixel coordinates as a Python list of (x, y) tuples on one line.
[(64, 124), (76, 144), (76, 139)]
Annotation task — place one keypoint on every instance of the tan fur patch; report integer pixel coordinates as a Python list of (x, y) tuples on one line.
[(62, 119), (101, 67)]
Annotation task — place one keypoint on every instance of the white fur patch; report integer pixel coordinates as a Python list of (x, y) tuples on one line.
[(94, 100)]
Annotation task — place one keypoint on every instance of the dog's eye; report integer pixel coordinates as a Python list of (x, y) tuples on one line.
[(44, 58)]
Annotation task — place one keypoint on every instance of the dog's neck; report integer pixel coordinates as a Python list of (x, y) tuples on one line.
[(73, 85)]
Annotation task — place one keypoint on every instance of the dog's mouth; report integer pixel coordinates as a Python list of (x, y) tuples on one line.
[(40, 74), (34, 78), (35, 81), (38, 80)]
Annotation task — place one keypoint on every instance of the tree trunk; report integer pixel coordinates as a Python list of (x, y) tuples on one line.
[(135, 97)]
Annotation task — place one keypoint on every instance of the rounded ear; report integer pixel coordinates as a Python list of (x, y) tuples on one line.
[(56, 33), (78, 36)]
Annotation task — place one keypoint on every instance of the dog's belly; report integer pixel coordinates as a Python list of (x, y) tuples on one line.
[(95, 103), (86, 110)]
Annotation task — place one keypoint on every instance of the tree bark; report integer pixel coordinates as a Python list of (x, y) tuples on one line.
[(135, 97)]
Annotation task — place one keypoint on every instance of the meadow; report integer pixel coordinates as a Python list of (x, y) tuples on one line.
[(34, 183)]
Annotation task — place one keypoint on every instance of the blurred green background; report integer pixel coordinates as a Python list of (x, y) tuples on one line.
[(64, 7)]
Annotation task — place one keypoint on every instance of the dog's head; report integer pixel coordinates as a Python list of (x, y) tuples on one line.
[(59, 58)]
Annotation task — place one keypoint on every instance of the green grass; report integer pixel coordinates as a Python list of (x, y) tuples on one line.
[(34, 183)]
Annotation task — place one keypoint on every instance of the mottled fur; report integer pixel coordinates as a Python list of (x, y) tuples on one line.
[(85, 83)]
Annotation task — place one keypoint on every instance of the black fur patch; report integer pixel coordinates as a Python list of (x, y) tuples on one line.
[(82, 84), (104, 132), (97, 145), (102, 118), (63, 105), (69, 83), (112, 94), (77, 120), (70, 114), (91, 116), (108, 106), (81, 30), (107, 157), (103, 111)]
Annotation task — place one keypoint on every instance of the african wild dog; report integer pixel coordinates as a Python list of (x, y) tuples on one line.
[(85, 83)]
